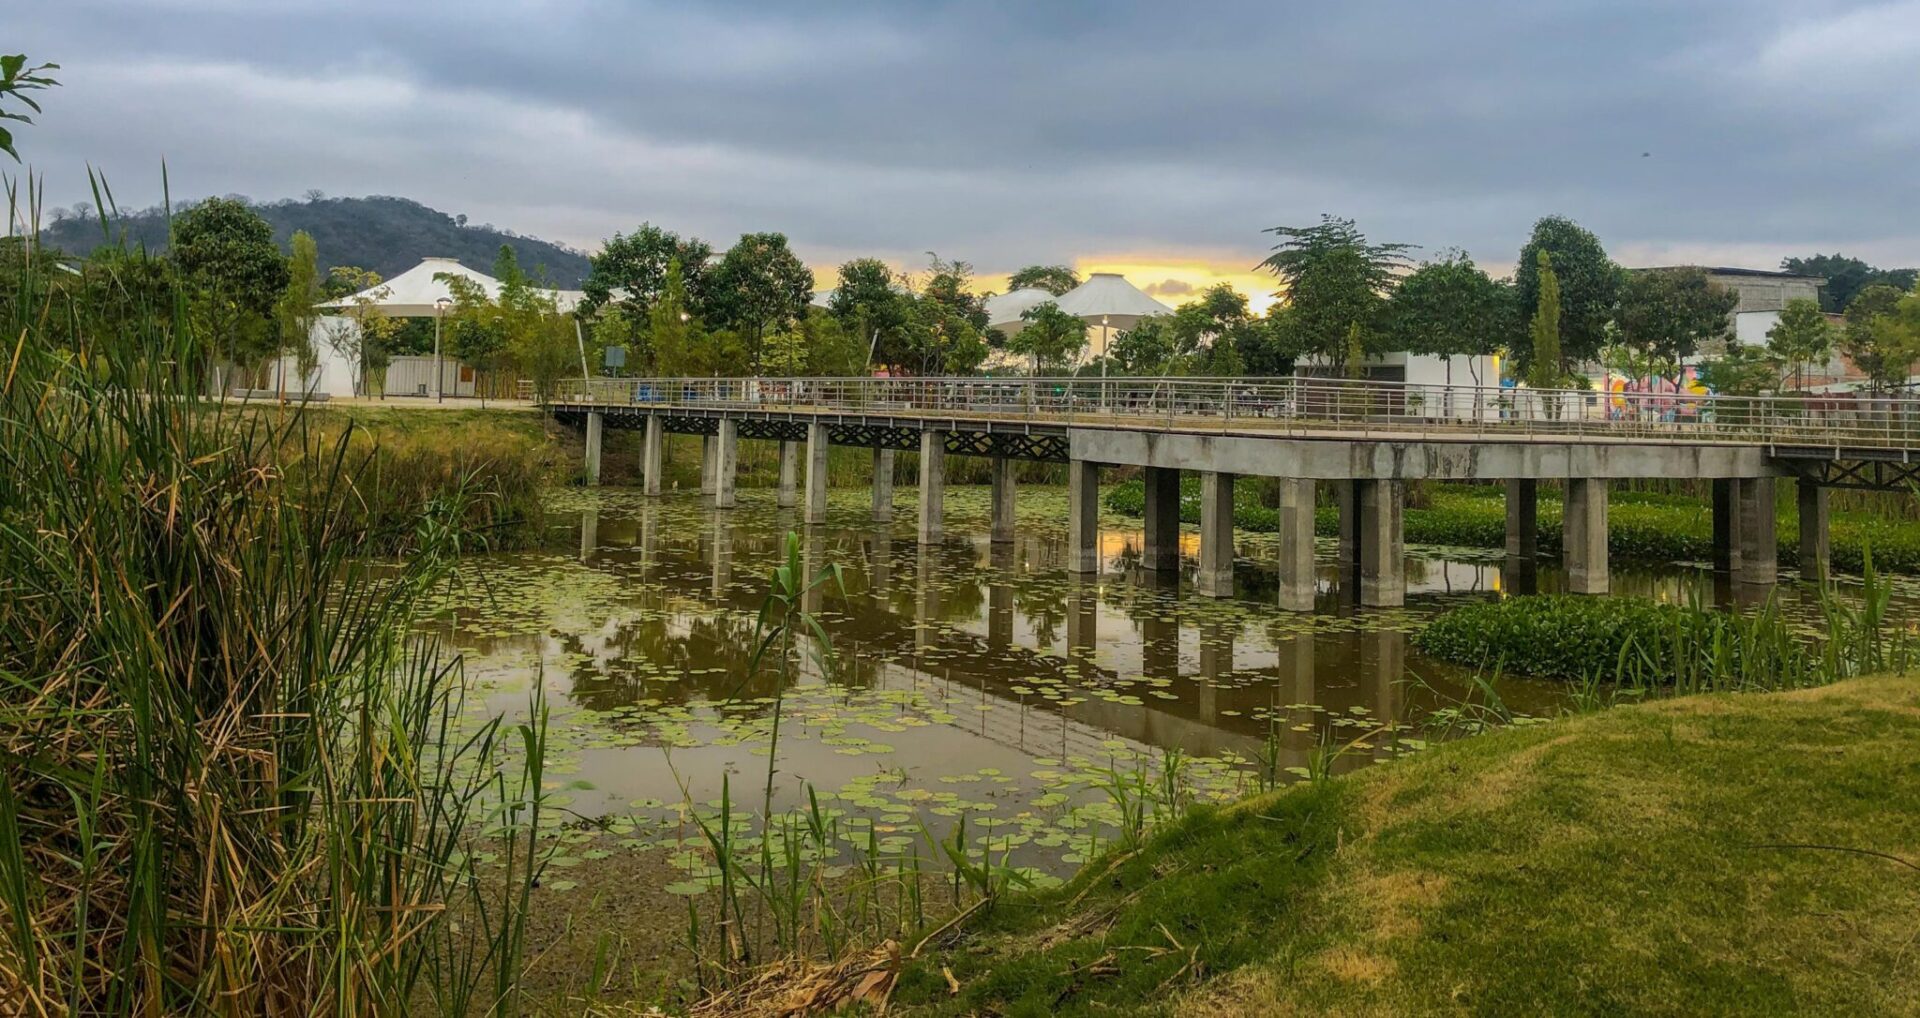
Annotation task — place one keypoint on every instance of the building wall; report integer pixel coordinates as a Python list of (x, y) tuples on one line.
[(1767, 293)]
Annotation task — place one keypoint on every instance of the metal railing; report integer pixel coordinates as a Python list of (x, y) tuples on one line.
[(1297, 406)]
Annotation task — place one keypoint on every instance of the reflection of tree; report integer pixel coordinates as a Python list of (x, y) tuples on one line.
[(1044, 603)]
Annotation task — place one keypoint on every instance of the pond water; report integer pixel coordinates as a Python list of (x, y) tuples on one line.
[(966, 680)]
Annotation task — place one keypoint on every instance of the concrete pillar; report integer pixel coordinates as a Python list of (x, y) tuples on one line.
[(726, 462), (1297, 580), (596, 427), (1382, 537), (1000, 469), (789, 495), (816, 500), (1585, 539), (1083, 517), (1214, 578), (1161, 546), (1726, 525), (1523, 518), (1759, 541), (707, 448), (933, 484), (883, 485), (652, 455), (1815, 542)]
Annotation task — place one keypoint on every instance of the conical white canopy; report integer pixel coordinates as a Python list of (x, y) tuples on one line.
[(1108, 295), (1004, 310), (415, 292)]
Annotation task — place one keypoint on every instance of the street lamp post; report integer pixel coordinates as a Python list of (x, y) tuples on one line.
[(439, 375), (1104, 341)]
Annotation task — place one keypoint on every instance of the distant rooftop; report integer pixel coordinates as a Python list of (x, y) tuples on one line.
[(1724, 270)]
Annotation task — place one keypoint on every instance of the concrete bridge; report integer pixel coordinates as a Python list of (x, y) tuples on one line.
[(1366, 440)]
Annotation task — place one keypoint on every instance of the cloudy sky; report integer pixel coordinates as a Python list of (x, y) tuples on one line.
[(1157, 138)]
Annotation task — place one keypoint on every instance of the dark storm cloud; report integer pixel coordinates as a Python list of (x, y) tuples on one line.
[(1725, 129)]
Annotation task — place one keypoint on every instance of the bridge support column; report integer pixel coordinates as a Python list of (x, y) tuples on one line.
[(1726, 525), (596, 429), (1815, 548), (1523, 518), (1759, 542), (726, 462), (883, 485), (816, 510), (706, 464), (1214, 578), (1001, 472), (933, 485), (1585, 538), (1083, 517), (789, 494), (1297, 581), (1161, 546), (1382, 537), (652, 455)]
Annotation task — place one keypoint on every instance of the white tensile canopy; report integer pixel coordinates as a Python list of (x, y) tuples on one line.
[(1107, 295), (415, 293), (1004, 310)]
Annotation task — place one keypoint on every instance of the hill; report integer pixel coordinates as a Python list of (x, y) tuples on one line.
[(388, 235)]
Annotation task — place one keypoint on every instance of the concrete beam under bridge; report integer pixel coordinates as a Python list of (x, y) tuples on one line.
[(1331, 459)]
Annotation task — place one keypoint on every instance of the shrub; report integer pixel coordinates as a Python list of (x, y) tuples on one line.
[(1564, 636)]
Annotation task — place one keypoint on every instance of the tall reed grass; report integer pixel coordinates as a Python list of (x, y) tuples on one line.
[(234, 785)]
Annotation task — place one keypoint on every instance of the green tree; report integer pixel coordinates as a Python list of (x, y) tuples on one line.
[(1882, 334), (759, 285), (1589, 288), (635, 264), (1802, 337), (234, 276), (818, 346), (1055, 279), (872, 302), (16, 80), (950, 284), (299, 308), (1333, 280), (1545, 371), (475, 332), (1664, 315), (1846, 277), (1052, 338), (1448, 307), (1741, 371), (671, 328)]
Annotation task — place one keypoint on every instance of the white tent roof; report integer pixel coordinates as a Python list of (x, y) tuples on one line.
[(1004, 310), (1110, 295), (413, 293)]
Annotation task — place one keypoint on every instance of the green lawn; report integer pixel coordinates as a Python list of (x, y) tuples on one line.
[(1627, 862)]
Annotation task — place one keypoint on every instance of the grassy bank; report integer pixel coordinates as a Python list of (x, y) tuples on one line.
[(1710, 854), (1641, 526)]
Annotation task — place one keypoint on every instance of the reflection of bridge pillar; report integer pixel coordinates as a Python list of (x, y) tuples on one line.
[(1295, 660), (1083, 517), (880, 565), (1083, 620), (649, 535), (1759, 545), (1000, 470), (789, 495), (1214, 578), (926, 597), (1523, 518), (596, 426), (812, 547), (1815, 550), (1383, 663), (933, 484), (883, 485), (1726, 525), (707, 449), (652, 455), (816, 511), (1000, 597), (722, 555), (1159, 647), (1383, 553), (589, 533), (1297, 580), (1161, 542), (726, 462), (1216, 664), (1584, 538)]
